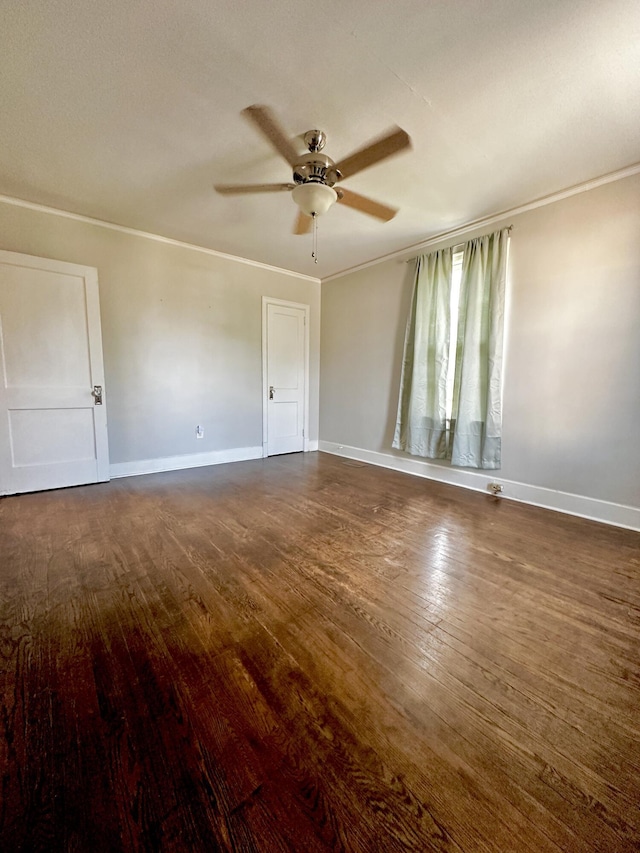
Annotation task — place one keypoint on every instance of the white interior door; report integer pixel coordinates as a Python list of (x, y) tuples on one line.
[(53, 427), (286, 378)]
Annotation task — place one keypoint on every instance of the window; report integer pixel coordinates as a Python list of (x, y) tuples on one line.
[(450, 402)]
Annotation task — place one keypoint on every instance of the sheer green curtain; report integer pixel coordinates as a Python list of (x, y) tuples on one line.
[(421, 425), (476, 417)]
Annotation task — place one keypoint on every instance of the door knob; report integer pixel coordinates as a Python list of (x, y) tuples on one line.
[(97, 395), (272, 392)]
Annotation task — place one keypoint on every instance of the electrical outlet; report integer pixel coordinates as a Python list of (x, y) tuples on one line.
[(199, 432)]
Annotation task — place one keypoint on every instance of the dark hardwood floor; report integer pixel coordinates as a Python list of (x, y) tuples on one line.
[(307, 654)]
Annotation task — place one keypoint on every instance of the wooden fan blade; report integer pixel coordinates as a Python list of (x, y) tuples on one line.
[(265, 121), (236, 189), (391, 143), (366, 205), (303, 224)]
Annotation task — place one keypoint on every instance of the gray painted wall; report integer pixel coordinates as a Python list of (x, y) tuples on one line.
[(572, 367), (182, 334)]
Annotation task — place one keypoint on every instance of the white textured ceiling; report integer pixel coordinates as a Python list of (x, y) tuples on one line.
[(129, 111)]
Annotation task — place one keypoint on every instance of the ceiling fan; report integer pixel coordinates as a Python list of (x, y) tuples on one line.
[(315, 174)]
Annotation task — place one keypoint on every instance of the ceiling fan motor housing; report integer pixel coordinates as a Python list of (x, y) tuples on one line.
[(316, 167)]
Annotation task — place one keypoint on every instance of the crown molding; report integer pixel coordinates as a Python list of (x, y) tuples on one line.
[(158, 238), (410, 252), (406, 253)]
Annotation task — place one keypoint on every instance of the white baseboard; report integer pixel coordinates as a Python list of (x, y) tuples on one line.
[(618, 515), (189, 460)]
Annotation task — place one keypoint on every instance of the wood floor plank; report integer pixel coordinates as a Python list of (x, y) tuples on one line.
[(309, 654), (488, 682)]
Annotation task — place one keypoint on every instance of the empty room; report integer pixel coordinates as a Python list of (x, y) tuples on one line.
[(320, 426)]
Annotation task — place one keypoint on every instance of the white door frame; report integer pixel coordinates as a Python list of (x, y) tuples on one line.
[(266, 301)]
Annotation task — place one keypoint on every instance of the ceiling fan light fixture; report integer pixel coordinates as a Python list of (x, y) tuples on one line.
[(314, 198)]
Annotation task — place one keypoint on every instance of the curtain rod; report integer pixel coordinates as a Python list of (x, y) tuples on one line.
[(509, 228)]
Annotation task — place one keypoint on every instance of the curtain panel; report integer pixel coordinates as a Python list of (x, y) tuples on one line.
[(421, 424), (476, 417), (473, 434)]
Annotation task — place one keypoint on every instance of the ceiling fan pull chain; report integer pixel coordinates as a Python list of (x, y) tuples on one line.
[(314, 253)]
